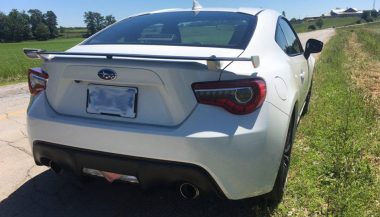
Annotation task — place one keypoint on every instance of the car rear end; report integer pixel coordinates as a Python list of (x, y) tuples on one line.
[(159, 121)]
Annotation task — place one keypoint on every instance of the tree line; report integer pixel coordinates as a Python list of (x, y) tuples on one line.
[(19, 26), (369, 16), (95, 22)]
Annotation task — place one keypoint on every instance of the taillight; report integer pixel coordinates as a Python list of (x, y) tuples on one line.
[(37, 80), (238, 96)]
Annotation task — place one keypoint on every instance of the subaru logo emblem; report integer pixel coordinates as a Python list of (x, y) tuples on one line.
[(107, 74)]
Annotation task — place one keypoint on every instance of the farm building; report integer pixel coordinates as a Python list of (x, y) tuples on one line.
[(347, 12), (338, 12)]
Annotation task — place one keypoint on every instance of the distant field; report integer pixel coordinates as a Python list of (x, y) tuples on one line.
[(367, 77), (369, 36), (328, 23), (14, 64), (372, 27), (73, 33)]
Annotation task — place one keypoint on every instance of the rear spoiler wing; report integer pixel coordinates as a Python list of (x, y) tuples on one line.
[(213, 62)]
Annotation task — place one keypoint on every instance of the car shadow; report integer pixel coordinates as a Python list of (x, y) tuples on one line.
[(49, 194)]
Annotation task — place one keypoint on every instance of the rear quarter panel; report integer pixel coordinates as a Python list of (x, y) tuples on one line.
[(276, 68)]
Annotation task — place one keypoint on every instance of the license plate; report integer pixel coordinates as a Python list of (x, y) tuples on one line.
[(111, 100)]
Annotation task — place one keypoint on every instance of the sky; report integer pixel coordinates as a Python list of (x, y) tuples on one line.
[(70, 12)]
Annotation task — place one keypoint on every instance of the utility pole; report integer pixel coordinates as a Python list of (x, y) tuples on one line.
[(374, 5)]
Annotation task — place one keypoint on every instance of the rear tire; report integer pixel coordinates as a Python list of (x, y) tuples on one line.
[(276, 195)]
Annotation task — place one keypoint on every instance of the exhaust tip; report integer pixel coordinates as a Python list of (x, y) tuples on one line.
[(189, 191), (55, 167)]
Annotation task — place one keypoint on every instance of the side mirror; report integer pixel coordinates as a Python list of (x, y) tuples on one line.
[(313, 46)]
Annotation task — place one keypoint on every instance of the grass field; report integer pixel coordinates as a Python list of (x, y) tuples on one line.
[(373, 27), (14, 64), (336, 159), (328, 23), (76, 32), (369, 35), (367, 64)]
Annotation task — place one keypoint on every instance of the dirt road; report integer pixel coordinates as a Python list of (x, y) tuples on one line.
[(28, 190), (322, 35)]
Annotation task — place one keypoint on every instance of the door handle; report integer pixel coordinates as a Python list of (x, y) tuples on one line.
[(302, 76)]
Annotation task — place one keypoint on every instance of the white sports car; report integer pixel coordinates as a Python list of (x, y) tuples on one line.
[(204, 99)]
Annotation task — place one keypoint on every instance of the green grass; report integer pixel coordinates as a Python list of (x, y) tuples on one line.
[(369, 35), (14, 64), (331, 172), (375, 26), (328, 23), (371, 41)]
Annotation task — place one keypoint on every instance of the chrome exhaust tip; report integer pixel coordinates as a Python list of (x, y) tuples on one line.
[(189, 191)]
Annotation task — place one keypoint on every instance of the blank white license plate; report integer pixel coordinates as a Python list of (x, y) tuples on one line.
[(111, 100)]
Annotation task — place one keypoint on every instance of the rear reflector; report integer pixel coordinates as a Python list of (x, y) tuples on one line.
[(111, 177), (37, 80), (239, 97)]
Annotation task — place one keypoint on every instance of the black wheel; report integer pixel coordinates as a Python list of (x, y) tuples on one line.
[(275, 196), (307, 102)]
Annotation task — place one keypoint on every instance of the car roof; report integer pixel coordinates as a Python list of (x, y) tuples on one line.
[(250, 11)]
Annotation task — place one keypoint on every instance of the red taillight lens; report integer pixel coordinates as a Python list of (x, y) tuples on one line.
[(238, 96), (37, 80)]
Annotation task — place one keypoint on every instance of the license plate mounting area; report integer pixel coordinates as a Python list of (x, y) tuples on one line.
[(112, 100)]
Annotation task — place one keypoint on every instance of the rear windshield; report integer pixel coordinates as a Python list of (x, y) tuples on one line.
[(205, 29)]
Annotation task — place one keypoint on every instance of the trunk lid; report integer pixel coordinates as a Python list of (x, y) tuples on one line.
[(164, 97)]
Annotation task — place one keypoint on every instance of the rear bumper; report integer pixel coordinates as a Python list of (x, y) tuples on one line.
[(149, 172), (240, 154)]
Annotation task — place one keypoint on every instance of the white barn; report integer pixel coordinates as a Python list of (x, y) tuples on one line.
[(344, 12)]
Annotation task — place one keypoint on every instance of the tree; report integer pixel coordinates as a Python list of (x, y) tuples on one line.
[(99, 21), (284, 13), (109, 20), (61, 29), (50, 19), (36, 17), (42, 32), (4, 31), (319, 23), (366, 15), (96, 22), (26, 26), (18, 26), (90, 22), (311, 27), (293, 20), (374, 13)]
